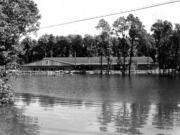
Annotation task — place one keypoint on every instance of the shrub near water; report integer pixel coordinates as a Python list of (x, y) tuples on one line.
[(6, 92)]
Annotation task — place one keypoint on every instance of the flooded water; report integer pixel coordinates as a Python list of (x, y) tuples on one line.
[(93, 105)]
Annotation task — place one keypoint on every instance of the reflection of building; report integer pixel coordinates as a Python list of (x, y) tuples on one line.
[(1, 67), (85, 63)]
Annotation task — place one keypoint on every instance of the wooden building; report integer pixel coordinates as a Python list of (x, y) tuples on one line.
[(85, 63)]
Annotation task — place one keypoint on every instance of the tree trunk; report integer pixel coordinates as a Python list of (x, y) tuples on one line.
[(108, 60), (124, 58), (159, 53), (124, 65), (131, 54), (176, 57), (101, 61), (108, 64)]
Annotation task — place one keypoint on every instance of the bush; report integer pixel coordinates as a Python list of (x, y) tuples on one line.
[(6, 91)]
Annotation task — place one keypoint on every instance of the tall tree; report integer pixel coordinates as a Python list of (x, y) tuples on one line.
[(136, 30), (52, 44), (174, 48), (18, 17), (27, 54), (105, 43), (76, 43), (89, 45), (62, 48), (43, 43), (177, 47), (120, 27), (162, 31)]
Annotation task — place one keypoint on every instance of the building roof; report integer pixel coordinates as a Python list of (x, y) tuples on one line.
[(70, 61), (96, 60), (80, 60)]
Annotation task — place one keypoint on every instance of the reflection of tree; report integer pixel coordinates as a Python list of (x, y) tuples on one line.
[(46, 101), (122, 118), (26, 98), (130, 119), (126, 118), (139, 115), (106, 116), (167, 112), (14, 122), (167, 116)]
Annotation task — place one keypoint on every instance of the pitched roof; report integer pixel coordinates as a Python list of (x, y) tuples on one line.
[(96, 60), (56, 61), (79, 60), (52, 63)]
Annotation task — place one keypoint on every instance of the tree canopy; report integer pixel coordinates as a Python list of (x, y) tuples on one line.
[(18, 18)]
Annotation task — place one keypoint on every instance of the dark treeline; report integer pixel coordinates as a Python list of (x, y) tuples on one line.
[(126, 37)]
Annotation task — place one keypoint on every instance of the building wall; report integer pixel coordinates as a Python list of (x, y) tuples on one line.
[(53, 65), (46, 68)]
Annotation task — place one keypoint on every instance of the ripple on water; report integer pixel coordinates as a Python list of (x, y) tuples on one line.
[(91, 105)]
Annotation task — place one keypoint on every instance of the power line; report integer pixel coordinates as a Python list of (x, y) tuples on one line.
[(112, 14)]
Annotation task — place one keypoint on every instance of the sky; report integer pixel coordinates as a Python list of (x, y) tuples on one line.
[(61, 11)]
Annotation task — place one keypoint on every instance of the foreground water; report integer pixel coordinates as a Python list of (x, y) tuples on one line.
[(93, 105)]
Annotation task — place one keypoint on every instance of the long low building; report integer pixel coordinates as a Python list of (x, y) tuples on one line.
[(85, 63)]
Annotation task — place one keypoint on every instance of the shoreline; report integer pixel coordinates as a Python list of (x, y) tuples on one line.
[(94, 72)]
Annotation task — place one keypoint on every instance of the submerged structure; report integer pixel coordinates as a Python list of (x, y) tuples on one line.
[(86, 63)]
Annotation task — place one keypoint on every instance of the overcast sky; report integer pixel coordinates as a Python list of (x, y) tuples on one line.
[(61, 11)]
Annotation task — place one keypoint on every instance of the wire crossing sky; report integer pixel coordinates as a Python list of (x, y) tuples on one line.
[(82, 16), (112, 14)]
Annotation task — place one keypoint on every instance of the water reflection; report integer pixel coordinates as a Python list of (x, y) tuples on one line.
[(125, 118), (14, 122), (89, 105), (34, 115), (167, 116)]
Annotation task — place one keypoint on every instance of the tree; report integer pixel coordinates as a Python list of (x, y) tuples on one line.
[(120, 27), (162, 31), (115, 46), (76, 44), (89, 45), (47, 43), (52, 45), (177, 47), (62, 48), (136, 31), (146, 46), (43, 45), (27, 54), (174, 48), (105, 43), (18, 17)]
